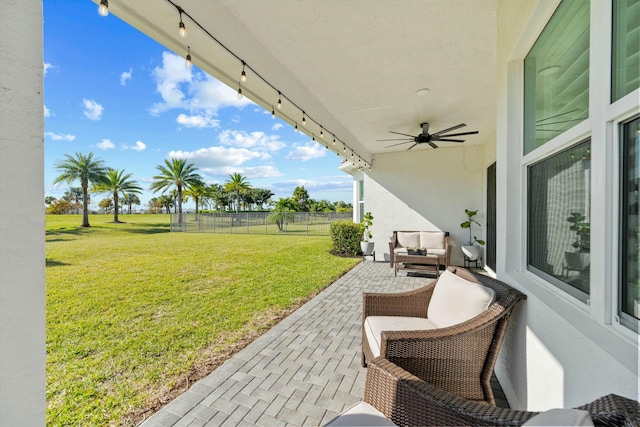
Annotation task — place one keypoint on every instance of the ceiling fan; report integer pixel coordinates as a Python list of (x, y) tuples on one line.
[(429, 138)]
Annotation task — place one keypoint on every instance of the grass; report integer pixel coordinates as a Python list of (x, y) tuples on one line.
[(133, 310)]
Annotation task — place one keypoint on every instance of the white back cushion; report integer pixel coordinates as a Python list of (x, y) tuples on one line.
[(409, 239), (432, 239), (561, 417), (374, 325), (456, 300)]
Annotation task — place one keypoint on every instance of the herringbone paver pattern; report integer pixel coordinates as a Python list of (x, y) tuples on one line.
[(302, 372)]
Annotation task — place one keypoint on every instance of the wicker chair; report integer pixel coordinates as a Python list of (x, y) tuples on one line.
[(408, 401), (459, 358)]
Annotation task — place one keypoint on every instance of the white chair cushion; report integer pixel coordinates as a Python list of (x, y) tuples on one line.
[(374, 325), (456, 300), (432, 239), (441, 252), (409, 239), (561, 417), (361, 414)]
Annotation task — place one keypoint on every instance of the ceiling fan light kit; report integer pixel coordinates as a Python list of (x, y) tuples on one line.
[(428, 138)]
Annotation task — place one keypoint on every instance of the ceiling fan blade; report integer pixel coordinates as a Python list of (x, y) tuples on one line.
[(451, 140), (450, 129), (400, 143), (405, 134), (395, 139), (432, 144), (412, 146), (460, 134)]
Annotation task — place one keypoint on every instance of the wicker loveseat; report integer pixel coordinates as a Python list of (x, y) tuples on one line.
[(458, 357), (435, 242), (393, 396)]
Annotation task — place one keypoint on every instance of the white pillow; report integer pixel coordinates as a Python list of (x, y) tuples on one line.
[(409, 239), (561, 417), (456, 300), (432, 239)]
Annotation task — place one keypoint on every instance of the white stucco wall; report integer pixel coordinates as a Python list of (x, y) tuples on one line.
[(425, 189), (22, 256), (559, 352)]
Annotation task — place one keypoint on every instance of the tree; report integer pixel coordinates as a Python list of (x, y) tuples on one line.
[(178, 174), (74, 196), (130, 199), (301, 198), (166, 202), (117, 182), (198, 191), (49, 199), (106, 205), (261, 196), (83, 168), (283, 212), (59, 207), (219, 197), (236, 185)]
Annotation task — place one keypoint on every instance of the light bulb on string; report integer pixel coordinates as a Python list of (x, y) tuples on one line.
[(279, 101), (103, 9), (296, 128), (182, 30), (273, 112), (334, 140), (243, 75), (314, 137), (304, 119), (239, 91), (321, 132), (188, 58)]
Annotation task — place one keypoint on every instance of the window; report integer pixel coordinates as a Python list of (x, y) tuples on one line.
[(556, 75), (626, 48), (629, 310), (558, 212)]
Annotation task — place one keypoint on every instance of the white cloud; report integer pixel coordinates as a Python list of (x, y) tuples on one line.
[(46, 67), (322, 184), (126, 75), (105, 144), (248, 172), (60, 137), (139, 146), (306, 152), (259, 140), (92, 110), (197, 121), (180, 87), (277, 126), (215, 157), (47, 112)]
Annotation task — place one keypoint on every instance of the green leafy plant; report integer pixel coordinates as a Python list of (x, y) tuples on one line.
[(345, 236), (582, 230), (366, 223), (467, 224)]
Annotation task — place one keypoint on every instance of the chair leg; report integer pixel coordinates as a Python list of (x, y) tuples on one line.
[(363, 360)]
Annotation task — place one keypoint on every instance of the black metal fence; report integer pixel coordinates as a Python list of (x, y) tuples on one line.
[(294, 223)]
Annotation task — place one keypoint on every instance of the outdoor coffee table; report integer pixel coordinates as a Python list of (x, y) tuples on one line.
[(418, 263)]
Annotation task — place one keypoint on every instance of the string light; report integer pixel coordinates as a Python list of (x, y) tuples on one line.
[(188, 58), (243, 75), (296, 128), (279, 100), (314, 137), (334, 140), (103, 9), (273, 112), (239, 91), (321, 132), (304, 118), (182, 30)]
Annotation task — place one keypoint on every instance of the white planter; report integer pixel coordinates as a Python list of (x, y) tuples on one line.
[(367, 248), (472, 252)]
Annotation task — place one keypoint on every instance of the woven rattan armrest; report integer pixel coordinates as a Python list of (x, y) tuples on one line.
[(411, 304)]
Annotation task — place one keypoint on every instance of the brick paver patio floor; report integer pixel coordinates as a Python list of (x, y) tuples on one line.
[(302, 372)]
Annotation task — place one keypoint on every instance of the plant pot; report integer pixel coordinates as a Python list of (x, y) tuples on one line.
[(367, 248), (577, 260), (472, 252)]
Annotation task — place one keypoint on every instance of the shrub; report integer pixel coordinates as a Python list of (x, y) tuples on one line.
[(345, 236)]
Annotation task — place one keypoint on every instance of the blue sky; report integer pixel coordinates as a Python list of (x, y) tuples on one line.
[(111, 90)]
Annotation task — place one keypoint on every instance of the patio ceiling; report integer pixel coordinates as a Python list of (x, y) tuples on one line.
[(353, 66)]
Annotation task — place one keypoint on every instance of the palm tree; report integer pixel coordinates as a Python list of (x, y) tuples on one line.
[(175, 173), (130, 199), (236, 184), (198, 191), (117, 183), (85, 169)]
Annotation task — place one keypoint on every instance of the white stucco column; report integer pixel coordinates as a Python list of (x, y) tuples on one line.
[(22, 253)]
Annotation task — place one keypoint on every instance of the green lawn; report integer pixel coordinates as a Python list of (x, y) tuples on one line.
[(133, 309)]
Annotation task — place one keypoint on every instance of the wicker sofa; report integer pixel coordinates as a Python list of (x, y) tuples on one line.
[(393, 396), (452, 353), (435, 242)]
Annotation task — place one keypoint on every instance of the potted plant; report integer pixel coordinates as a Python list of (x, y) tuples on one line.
[(366, 245), (579, 258), (470, 250)]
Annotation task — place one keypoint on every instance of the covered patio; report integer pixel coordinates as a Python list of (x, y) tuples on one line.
[(303, 371)]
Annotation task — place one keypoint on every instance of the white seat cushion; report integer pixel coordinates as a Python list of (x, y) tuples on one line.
[(409, 239), (561, 417), (361, 414), (456, 300), (374, 325), (432, 239)]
